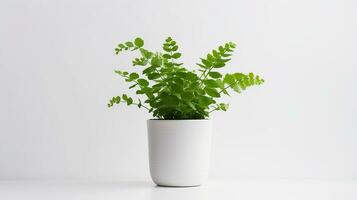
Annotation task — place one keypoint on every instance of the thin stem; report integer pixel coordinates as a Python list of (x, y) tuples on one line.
[(216, 108), (204, 78), (137, 104), (172, 59), (126, 76), (227, 87), (203, 73)]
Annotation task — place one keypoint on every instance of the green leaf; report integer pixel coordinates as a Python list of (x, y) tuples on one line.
[(121, 73), (212, 92), (168, 39), (117, 99), (125, 97), (239, 76), (176, 55), (220, 83), (203, 66), (178, 80), (143, 82), (145, 53), (176, 88), (229, 79), (223, 60), (216, 54), (219, 64), (200, 91), (194, 85), (187, 96), (170, 100), (156, 61), (129, 44), (223, 106), (232, 45), (129, 101), (168, 64), (117, 50), (134, 76), (215, 74), (167, 49), (153, 76), (140, 92), (182, 74), (133, 86), (226, 55), (139, 42), (206, 63), (174, 48), (139, 104), (191, 105), (210, 58), (158, 85), (114, 100), (211, 83), (242, 85), (235, 87), (167, 56), (149, 70), (205, 101)]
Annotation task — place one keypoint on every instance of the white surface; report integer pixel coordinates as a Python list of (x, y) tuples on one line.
[(141, 190), (179, 151), (56, 75)]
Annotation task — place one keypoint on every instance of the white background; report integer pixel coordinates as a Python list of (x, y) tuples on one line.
[(56, 75)]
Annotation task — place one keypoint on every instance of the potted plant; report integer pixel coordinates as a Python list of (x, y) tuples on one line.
[(181, 101)]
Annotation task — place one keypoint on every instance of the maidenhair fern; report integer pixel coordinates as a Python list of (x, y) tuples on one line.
[(173, 92)]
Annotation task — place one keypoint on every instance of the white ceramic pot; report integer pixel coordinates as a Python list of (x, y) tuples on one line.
[(179, 151)]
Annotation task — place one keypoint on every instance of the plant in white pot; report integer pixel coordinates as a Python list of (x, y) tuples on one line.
[(181, 100)]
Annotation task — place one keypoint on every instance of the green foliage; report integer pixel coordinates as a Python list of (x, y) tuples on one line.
[(174, 92)]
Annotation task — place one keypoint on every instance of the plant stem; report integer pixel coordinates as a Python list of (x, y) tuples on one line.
[(137, 104), (213, 110), (204, 78), (227, 87)]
